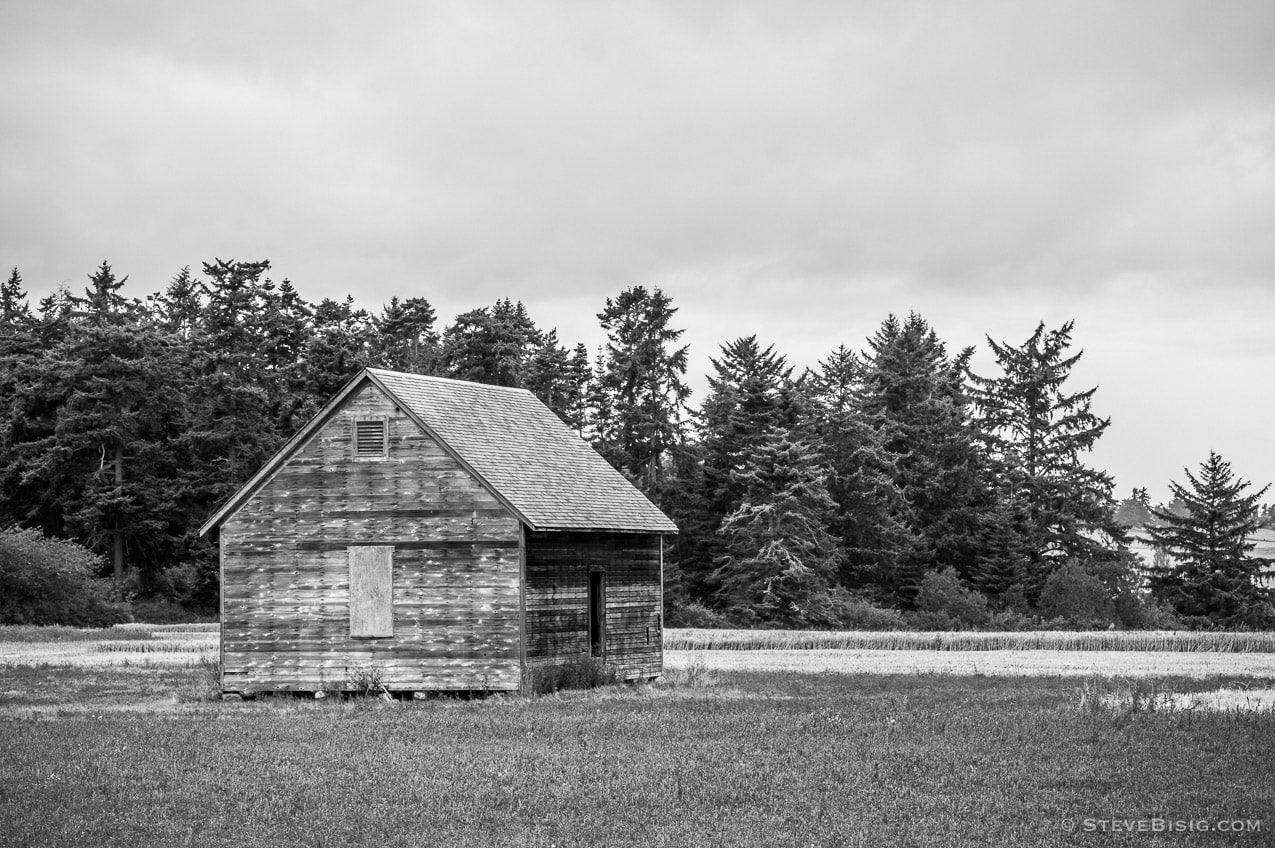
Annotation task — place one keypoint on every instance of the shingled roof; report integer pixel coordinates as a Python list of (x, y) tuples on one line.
[(529, 459)]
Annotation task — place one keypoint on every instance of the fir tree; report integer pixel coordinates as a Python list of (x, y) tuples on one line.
[(751, 395), (490, 345), (56, 310), (914, 395), (580, 380), (1135, 510), (339, 345), (781, 562), (102, 301), (640, 390), (549, 375), (13, 302), (89, 451), (1037, 433), (180, 307), (406, 338), (1212, 576), (1002, 562), (872, 517), (229, 427)]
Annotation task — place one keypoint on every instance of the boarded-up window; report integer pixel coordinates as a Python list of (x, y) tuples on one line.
[(372, 590), (370, 438)]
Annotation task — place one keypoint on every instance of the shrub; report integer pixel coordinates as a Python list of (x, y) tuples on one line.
[(944, 603), (50, 581), (192, 584), (1144, 612), (697, 615), (1011, 619), (1077, 597), (583, 672), (861, 614), (161, 611)]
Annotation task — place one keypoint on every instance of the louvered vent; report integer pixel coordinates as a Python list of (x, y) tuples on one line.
[(369, 437)]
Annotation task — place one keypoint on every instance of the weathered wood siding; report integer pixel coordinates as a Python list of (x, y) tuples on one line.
[(285, 572), (557, 574)]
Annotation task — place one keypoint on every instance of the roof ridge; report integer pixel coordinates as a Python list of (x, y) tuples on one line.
[(452, 380)]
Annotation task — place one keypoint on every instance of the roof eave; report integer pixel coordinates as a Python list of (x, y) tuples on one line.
[(653, 531)]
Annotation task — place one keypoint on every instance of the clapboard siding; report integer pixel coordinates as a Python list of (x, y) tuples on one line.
[(286, 590), (557, 598)]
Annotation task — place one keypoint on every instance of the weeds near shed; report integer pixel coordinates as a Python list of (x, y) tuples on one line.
[(695, 675), (204, 683), (367, 680), (580, 673)]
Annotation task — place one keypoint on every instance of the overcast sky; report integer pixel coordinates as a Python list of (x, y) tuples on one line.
[(794, 171)]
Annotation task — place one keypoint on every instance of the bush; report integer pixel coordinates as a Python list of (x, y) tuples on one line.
[(1144, 612), (945, 603), (860, 614), (160, 611), (50, 581), (1011, 619), (697, 615), (192, 584), (1077, 597), (583, 672)]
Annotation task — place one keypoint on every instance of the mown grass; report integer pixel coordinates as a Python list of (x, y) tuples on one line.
[(907, 640), (713, 760)]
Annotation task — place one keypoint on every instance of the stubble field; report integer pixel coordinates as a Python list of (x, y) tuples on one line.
[(104, 744)]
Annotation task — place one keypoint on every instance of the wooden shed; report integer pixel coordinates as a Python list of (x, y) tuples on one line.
[(437, 535)]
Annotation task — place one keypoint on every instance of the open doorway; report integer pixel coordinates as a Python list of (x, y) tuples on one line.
[(597, 613)]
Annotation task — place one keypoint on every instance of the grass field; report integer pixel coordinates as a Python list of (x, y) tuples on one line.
[(98, 752)]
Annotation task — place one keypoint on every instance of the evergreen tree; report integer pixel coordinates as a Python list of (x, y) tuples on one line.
[(1002, 561), (491, 345), (13, 301), (102, 301), (406, 338), (54, 322), (751, 395), (914, 395), (339, 344), (230, 415), (111, 457), (1213, 577), (179, 309), (580, 379), (640, 393), (872, 517), (781, 562), (1135, 510), (1037, 433), (87, 439), (561, 383)]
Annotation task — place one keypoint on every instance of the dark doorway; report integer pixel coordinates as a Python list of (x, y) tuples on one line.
[(597, 613)]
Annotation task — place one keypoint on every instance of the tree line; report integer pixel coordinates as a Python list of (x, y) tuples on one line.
[(883, 482)]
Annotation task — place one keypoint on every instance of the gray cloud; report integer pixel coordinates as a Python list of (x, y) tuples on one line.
[(798, 171)]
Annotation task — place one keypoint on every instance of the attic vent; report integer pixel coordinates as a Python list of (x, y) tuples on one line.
[(369, 438)]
